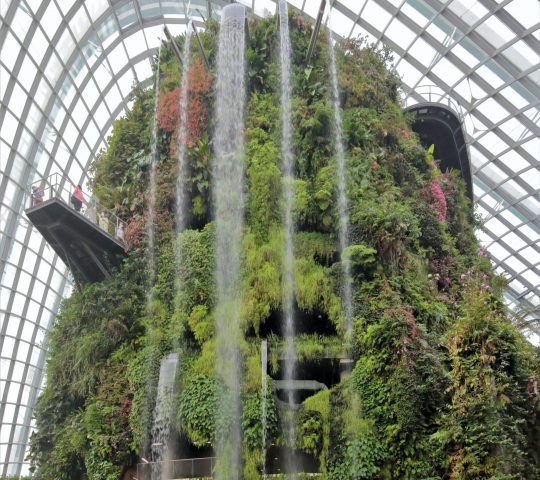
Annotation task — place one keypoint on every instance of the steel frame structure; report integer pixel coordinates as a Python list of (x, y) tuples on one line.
[(66, 71)]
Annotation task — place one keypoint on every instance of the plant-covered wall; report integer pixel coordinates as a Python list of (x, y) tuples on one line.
[(443, 386)]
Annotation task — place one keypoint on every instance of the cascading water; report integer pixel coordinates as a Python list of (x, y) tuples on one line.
[(154, 160), (343, 210), (228, 188), (181, 141), (163, 414), (264, 393), (288, 197), (343, 201)]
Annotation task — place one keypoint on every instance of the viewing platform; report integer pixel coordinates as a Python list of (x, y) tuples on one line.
[(437, 124), (87, 237)]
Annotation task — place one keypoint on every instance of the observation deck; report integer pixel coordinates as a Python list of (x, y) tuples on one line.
[(90, 241), (437, 124)]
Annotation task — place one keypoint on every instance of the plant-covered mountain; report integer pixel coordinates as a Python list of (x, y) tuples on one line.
[(442, 385)]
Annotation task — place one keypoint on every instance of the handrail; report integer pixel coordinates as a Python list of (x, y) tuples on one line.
[(434, 94), (180, 468), (54, 186)]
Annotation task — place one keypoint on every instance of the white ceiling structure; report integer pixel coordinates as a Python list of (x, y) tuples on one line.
[(67, 68)]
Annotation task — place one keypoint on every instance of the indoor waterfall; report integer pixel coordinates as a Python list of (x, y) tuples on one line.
[(343, 210), (181, 141), (163, 414), (288, 198), (343, 201), (154, 160), (228, 191)]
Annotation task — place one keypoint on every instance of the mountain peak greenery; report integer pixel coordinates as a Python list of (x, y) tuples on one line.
[(443, 384)]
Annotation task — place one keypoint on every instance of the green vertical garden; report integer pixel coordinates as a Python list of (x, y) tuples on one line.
[(443, 385)]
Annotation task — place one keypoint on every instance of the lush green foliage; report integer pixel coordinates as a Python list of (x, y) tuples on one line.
[(443, 385)]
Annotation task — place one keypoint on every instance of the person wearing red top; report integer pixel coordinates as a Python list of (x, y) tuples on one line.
[(77, 198)]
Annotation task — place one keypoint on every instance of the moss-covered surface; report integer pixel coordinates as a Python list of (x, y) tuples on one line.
[(443, 385)]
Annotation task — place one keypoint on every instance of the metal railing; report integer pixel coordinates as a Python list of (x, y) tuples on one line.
[(59, 187), (202, 467), (433, 94)]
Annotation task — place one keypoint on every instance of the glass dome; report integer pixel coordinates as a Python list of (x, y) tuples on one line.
[(66, 71)]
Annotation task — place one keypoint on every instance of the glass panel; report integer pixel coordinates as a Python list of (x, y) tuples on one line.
[(493, 110), (135, 45), (90, 93), (493, 143), (126, 15), (522, 11), (9, 51), (113, 98), (464, 55), (18, 372), (440, 35), (91, 134), (515, 264), (78, 69), (495, 32), (521, 55), (173, 9), (531, 277), (340, 22), (7, 349), (27, 73), (447, 72), (107, 31), (423, 52), (118, 58), (514, 129), (125, 83), (10, 192), (143, 70), (65, 5), (532, 177), (532, 147), (400, 34), (22, 351), (21, 23), (419, 13), (43, 93), (514, 161), (96, 8), (498, 251), (80, 113), (53, 69), (9, 413), (469, 12), (17, 100), (79, 23), (375, 15), (51, 20), (149, 8), (102, 76)]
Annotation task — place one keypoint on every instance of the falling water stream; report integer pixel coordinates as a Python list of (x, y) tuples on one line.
[(288, 197), (343, 210), (163, 416), (228, 191), (154, 160), (343, 201), (181, 142)]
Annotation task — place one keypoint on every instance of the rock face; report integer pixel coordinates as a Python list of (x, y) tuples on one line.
[(421, 376)]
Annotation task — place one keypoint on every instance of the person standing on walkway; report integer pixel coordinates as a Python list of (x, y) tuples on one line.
[(77, 198)]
